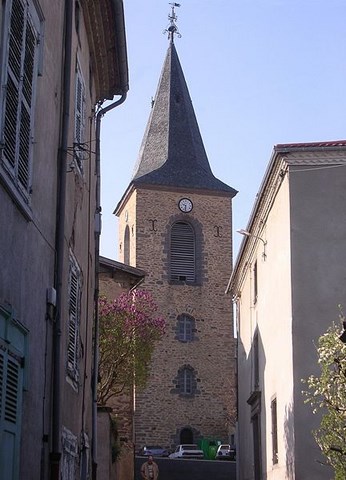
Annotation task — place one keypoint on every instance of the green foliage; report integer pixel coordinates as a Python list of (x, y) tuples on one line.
[(128, 331), (327, 395)]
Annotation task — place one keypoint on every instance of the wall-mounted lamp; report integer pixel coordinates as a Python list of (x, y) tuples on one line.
[(249, 234)]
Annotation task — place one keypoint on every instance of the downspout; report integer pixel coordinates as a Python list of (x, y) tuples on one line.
[(99, 116), (55, 455)]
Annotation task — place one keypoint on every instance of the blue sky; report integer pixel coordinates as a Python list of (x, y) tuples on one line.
[(259, 72)]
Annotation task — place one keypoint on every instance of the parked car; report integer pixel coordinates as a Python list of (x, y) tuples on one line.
[(154, 450), (225, 452), (187, 451)]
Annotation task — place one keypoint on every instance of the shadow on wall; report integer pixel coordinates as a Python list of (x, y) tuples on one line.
[(251, 407)]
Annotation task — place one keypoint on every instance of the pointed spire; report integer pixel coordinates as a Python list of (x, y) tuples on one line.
[(172, 151)]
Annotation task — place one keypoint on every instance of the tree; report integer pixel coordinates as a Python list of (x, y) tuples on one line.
[(327, 396), (128, 331)]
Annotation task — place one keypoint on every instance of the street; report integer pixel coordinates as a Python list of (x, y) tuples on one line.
[(190, 469)]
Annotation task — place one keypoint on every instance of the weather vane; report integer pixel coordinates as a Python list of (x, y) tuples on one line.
[(172, 28)]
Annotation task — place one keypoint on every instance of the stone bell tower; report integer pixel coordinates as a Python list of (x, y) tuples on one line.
[(175, 223)]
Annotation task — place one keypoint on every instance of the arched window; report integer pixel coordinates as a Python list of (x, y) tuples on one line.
[(182, 254), (127, 246), (186, 328), (186, 381)]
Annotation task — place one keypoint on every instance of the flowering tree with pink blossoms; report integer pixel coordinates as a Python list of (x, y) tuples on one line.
[(128, 331)]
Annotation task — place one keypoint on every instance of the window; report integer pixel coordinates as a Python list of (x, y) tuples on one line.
[(12, 354), (186, 327), (69, 455), (185, 385), (255, 285), (182, 252), (256, 361), (80, 151), (74, 295), (127, 246), (274, 431), (19, 74)]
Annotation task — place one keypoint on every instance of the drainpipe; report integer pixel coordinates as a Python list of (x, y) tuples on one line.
[(99, 116), (55, 455)]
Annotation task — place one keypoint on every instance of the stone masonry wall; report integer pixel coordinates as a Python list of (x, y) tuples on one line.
[(161, 412)]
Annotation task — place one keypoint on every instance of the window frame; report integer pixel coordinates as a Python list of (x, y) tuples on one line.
[(255, 282), (13, 381), (274, 426), (19, 74), (69, 464), (79, 149), (183, 334), (182, 252), (187, 387), (74, 309)]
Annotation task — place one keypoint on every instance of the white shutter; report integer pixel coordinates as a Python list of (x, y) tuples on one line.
[(74, 319), (79, 118), (22, 68)]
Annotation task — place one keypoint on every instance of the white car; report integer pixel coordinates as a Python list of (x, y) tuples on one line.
[(187, 451), (225, 452)]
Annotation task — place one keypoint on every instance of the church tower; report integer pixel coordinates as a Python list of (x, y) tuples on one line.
[(175, 223)]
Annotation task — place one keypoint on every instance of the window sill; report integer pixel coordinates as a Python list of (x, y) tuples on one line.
[(15, 194)]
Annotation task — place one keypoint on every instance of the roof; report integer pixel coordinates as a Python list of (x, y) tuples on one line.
[(172, 153), (105, 24), (283, 155), (114, 265), (310, 145)]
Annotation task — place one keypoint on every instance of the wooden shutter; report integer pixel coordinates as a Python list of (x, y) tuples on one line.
[(79, 118), (182, 252), (19, 101), (11, 387), (74, 318)]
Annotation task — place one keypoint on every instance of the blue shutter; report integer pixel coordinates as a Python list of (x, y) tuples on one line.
[(11, 388)]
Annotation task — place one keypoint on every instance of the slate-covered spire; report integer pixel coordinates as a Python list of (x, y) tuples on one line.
[(172, 153)]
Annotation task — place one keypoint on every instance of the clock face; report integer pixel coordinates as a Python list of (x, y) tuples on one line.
[(185, 205)]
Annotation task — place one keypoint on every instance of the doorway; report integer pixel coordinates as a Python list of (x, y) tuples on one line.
[(186, 435)]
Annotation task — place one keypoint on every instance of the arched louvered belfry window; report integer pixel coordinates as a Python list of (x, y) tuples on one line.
[(182, 252), (127, 246)]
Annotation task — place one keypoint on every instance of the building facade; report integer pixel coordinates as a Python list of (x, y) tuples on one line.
[(175, 222), (287, 284), (116, 419), (58, 60)]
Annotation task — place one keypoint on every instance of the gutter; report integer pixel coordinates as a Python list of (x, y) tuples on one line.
[(55, 454), (99, 116)]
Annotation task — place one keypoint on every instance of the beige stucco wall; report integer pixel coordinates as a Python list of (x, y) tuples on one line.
[(270, 316), (300, 284)]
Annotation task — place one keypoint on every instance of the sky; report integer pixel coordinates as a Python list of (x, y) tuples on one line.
[(259, 72)]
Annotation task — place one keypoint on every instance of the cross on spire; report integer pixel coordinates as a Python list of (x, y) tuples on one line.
[(172, 29)]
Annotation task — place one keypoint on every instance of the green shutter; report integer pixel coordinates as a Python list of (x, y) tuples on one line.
[(11, 388)]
